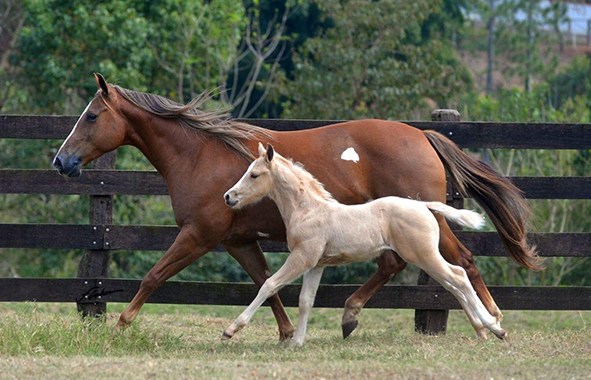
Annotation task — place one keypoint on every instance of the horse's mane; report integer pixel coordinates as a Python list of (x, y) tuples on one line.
[(306, 179), (218, 123)]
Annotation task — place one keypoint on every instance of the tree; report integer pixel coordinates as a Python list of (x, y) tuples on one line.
[(521, 33), (174, 47), (373, 61), (11, 21)]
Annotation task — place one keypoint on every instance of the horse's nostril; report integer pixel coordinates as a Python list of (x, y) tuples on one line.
[(57, 163), (227, 197)]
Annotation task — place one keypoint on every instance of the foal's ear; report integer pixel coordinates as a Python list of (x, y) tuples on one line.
[(270, 152), (261, 149), (101, 83)]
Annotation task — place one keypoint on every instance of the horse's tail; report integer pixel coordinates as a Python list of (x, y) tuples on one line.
[(502, 200), (466, 218)]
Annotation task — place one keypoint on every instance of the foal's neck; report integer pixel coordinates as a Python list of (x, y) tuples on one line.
[(292, 194)]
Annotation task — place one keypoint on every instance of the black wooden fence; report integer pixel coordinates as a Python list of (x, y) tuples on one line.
[(93, 289)]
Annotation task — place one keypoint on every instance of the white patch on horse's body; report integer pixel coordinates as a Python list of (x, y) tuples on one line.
[(262, 235), (350, 154)]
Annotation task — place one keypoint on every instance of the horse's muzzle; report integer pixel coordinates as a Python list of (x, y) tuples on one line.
[(68, 165)]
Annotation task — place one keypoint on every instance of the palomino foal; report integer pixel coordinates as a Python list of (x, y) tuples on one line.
[(322, 232)]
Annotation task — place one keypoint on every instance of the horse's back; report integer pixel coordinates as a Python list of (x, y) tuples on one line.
[(362, 160)]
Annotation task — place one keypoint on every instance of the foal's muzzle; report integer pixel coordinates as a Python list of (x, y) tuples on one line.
[(230, 200), (68, 165)]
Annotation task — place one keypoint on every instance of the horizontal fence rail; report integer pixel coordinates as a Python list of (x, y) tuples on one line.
[(423, 297), (108, 182), (103, 236)]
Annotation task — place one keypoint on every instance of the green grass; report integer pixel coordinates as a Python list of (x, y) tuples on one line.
[(167, 341)]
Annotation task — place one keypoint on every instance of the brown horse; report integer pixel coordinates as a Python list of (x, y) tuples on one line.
[(357, 161)]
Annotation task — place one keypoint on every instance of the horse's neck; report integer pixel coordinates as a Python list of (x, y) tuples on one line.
[(165, 145), (292, 197)]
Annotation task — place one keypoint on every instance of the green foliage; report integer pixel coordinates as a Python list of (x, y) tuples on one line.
[(548, 215), (174, 45), (372, 62)]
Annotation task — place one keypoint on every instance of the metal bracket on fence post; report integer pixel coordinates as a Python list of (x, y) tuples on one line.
[(435, 321), (95, 262)]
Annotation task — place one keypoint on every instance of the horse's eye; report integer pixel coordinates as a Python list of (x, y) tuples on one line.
[(253, 176), (91, 116)]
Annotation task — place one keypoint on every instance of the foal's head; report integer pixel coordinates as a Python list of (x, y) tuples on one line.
[(256, 183)]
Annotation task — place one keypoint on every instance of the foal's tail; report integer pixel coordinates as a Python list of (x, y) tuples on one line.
[(466, 218), (503, 202)]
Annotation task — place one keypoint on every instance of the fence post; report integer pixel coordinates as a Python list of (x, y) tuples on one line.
[(95, 262), (435, 321)]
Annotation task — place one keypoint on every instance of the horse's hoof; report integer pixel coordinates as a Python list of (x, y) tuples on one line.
[(286, 335), (121, 326), (349, 327)]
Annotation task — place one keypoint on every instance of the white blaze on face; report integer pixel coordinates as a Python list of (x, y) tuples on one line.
[(75, 126), (349, 154)]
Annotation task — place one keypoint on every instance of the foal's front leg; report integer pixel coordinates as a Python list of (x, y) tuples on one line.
[(293, 267), (307, 297)]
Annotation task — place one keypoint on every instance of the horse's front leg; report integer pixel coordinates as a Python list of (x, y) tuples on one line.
[(389, 265), (186, 248), (251, 257), (307, 297), (293, 267)]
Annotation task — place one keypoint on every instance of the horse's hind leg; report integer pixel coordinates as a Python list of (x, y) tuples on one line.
[(251, 257), (389, 264), (456, 253)]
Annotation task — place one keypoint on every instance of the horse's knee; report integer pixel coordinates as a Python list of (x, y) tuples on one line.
[(390, 264), (150, 283)]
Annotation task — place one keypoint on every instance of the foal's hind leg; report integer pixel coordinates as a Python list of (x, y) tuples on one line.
[(389, 264), (455, 280), (455, 253), (251, 257)]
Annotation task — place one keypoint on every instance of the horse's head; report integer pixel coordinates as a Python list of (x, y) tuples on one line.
[(100, 129), (256, 183)]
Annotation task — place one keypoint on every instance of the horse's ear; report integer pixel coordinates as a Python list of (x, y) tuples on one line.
[(101, 83), (261, 149), (270, 152)]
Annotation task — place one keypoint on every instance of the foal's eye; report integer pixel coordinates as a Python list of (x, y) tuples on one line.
[(91, 116), (253, 176)]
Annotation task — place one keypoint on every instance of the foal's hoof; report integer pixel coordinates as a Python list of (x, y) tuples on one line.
[(349, 327), (227, 336), (503, 335)]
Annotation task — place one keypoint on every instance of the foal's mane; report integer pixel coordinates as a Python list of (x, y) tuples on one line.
[(305, 178), (217, 123)]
